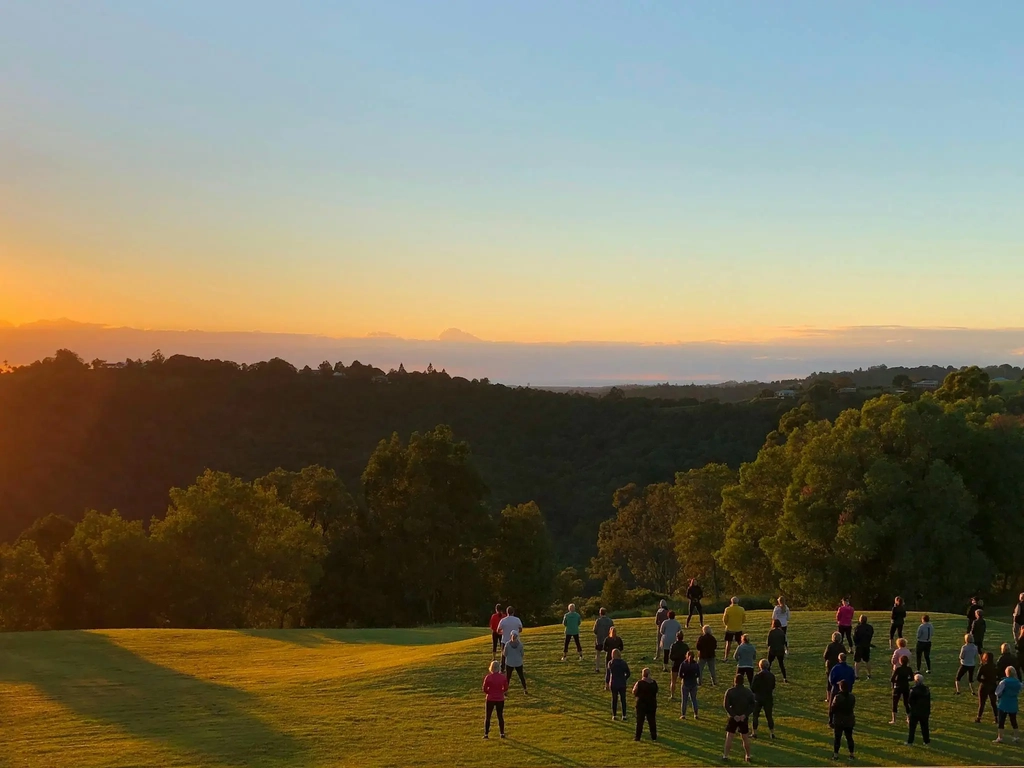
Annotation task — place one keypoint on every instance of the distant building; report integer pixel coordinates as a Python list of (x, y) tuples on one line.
[(926, 384), (380, 379), (786, 393)]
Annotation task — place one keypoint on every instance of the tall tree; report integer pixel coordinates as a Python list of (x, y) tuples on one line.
[(700, 528), (24, 587), (524, 560)]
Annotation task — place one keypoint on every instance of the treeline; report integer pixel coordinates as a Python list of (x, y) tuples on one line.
[(77, 436), (916, 495), (418, 546)]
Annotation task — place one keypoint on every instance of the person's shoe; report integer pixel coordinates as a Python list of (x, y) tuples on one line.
[(694, 715), (746, 758), (682, 717), (614, 718), (853, 756), (637, 739), (772, 734), (957, 693), (725, 759), (486, 736), (624, 718), (563, 658), (977, 719), (753, 735), (654, 738), (503, 735), (928, 672), (997, 741), (869, 675), (835, 755)]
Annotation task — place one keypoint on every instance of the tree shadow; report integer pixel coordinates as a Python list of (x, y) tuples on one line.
[(99, 680)]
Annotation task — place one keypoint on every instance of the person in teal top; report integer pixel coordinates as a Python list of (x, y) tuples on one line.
[(571, 622), (1006, 695)]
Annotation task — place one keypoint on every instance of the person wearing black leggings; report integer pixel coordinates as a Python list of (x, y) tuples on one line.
[(514, 660), (777, 648), (988, 679), (694, 594), (842, 717), (925, 633), (495, 687), (901, 679), (896, 620), (615, 681)]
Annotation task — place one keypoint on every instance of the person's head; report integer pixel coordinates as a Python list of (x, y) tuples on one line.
[(974, 601), (918, 679), (1022, 597), (781, 601), (836, 637), (671, 614), (612, 632), (616, 653), (679, 635), (664, 603), (776, 624), (925, 619), (745, 639), (572, 607), (510, 611), (646, 674), (899, 601), (738, 681), (514, 637), (844, 686), (1004, 648), (968, 639), (981, 614), (986, 658), (493, 667), (901, 643), (763, 665), (690, 657), (497, 608), (706, 630), (904, 661), (863, 619), (734, 601), (1010, 672), (601, 612), (842, 658)]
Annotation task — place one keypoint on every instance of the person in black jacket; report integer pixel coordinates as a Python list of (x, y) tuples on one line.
[(896, 620), (920, 710), (862, 637), (972, 613), (763, 688), (831, 656), (611, 643), (615, 681), (646, 692), (988, 679), (842, 717), (978, 629), (901, 678), (694, 594), (1006, 659), (1018, 617), (677, 655), (777, 647)]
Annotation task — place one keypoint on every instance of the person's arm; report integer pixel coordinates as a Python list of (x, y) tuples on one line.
[(484, 686), (564, 618), (1000, 688), (629, 673), (504, 684)]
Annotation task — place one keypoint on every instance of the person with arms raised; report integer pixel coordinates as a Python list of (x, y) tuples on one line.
[(707, 650), (739, 704), (920, 710), (896, 620), (763, 688), (495, 687), (694, 594), (602, 627), (615, 681), (646, 692), (733, 618), (862, 637), (841, 716), (571, 621)]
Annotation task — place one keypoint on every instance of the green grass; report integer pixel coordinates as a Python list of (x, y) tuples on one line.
[(412, 697)]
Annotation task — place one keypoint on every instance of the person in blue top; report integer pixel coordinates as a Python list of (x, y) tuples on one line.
[(841, 671), (615, 681), (571, 621), (1006, 695)]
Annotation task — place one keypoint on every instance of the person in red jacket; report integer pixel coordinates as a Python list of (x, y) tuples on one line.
[(495, 687), (496, 617)]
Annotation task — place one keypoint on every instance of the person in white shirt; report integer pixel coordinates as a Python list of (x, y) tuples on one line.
[(506, 627), (780, 613)]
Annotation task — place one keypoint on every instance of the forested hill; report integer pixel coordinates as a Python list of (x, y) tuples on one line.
[(75, 437)]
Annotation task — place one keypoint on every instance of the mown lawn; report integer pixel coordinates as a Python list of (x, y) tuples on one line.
[(412, 697)]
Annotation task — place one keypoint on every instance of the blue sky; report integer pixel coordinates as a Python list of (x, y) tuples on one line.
[(527, 172)]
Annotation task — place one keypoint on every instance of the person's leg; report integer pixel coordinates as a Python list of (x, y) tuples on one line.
[(597, 659), (499, 707), (959, 676), (892, 634), (849, 739), (700, 612), (746, 745), (672, 683), (912, 729), (786, 633), (782, 666), (981, 706), (769, 716), (711, 668), (495, 640), (487, 717), (664, 659), (925, 737), (565, 647), (992, 702), (728, 744), (1013, 723), (906, 702), (652, 724), (639, 724), (689, 614), (756, 717), (504, 667), (836, 740), (920, 653), (928, 656), (622, 701), (895, 702), (522, 676), (508, 674), (579, 646), (692, 694), (1000, 725)]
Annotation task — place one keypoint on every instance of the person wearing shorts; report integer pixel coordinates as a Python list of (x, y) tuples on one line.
[(739, 704), (733, 618)]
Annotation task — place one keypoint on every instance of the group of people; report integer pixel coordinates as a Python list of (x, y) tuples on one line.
[(751, 695)]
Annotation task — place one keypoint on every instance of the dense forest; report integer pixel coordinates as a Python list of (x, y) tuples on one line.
[(77, 436)]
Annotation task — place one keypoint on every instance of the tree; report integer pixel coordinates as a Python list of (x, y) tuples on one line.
[(613, 593), (524, 560), (700, 528), (49, 534), (568, 586), (325, 368), (901, 381), (639, 538), (425, 502), (24, 587), (316, 493), (965, 383)]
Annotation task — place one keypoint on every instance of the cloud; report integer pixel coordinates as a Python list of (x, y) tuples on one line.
[(456, 334), (382, 335)]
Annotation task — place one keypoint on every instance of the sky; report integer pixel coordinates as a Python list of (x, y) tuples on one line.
[(528, 172)]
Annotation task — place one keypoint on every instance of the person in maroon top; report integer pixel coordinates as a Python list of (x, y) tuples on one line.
[(496, 618), (495, 687)]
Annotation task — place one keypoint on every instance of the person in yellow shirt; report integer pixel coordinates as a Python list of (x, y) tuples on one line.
[(733, 620)]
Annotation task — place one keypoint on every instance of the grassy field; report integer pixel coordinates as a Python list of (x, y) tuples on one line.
[(412, 697)]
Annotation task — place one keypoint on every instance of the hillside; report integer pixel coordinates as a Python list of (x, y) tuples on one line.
[(411, 697)]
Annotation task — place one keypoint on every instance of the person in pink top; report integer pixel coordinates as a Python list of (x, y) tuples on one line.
[(844, 621), (495, 688)]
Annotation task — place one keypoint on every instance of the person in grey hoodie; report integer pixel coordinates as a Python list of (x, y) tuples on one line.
[(667, 635), (925, 633), (514, 660), (601, 627), (968, 660), (659, 618), (746, 658)]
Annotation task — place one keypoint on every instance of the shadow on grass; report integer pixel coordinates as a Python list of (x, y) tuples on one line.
[(99, 680)]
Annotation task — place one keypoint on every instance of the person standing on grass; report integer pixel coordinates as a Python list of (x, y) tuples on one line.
[(901, 679), (1020, 651), (659, 618), (862, 637), (900, 652), (1006, 659), (841, 715), (733, 618), (925, 633), (615, 681), (689, 674), (739, 703), (707, 651), (571, 621), (746, 658), (1018, 617), (988, 680), (841, 672), (496, 618), (968, 660), (763, 688), (844, 621), (1006, 695), (670, 628), (677, 655), (777, 648), (920, 710), (602, 626), (646, 692), (833, 651), (495, 687), (780, 613), (978, 630), (514, 660), (896, 620), (612, 643), (972, 613), (694, 594), (506, 627)]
